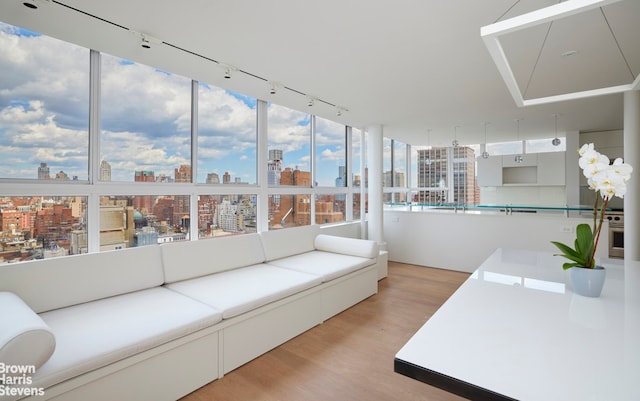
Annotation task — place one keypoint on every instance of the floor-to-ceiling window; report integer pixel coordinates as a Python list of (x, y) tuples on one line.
[(156, 158)]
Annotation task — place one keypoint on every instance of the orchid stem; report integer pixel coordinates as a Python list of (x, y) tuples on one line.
[(595, 246)]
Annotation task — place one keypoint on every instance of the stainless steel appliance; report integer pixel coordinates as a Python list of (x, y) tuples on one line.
[(616, 234)]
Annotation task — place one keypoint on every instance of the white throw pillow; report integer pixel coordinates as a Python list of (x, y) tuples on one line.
[(25, 339)]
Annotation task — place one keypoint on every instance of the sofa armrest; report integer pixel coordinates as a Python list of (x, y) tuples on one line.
[(25, 339), (347, 246)]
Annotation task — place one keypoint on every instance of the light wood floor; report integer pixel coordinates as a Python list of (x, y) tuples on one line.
[(350, 356)]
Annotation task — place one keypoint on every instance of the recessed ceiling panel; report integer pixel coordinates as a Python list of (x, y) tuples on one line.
[(589, 48), (579, 54)]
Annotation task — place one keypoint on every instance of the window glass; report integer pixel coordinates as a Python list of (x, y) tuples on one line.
[(432, 174), (357, 150), (465, 189), (356, 206), (386, 161), (224, 215), (146, 121), (289, 211), (504, 148), (417, 161), (289, 143), (330, 208), (226, 136), (42, 227), (141, 220), (331, 167), (44, 113), (546, 145)]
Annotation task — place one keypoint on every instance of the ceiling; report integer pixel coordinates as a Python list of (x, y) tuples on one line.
[(419, 68)]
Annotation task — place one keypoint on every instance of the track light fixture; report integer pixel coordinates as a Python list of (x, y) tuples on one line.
[(146, 41), (311, 102), (228, 70), (274, 87), (33, 4)]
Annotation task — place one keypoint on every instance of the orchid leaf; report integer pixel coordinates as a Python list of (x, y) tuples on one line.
[(584, 241)]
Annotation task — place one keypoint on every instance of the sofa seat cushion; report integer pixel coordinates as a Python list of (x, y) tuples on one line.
[(95, 334), (327, 265), (238, 291)]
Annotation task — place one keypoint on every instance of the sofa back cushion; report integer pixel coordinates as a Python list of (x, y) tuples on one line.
[(190, 259), (59, 282), (347, 246), (288, 241)]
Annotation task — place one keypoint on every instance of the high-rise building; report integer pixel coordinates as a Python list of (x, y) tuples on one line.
[(62, 176), (105, 171), (183, 173), (143, 203), (274, 167), (43, 172), (341, 179), (181, 205), (397, 181), (227, 217), (212, 178), (226, 178), (458, 186)]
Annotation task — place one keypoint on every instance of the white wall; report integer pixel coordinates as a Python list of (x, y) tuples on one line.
[(461, 241), (350, 230), (524, 195)]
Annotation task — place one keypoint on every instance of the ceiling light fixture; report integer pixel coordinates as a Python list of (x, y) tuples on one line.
[(274, 88), (455, 142), (485, 154), (311, 102), (556, 141), (339, 112), (518, 158), (227, 73), (428, 160)]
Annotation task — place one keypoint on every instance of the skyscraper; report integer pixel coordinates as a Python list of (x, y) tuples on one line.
[(226, 178), (143, 203), (43, 172), (274, 167), (455, 186), (213, 178), (181, 206), (105, 171)]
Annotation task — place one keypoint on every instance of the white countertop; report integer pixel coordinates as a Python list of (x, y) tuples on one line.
[(516, 328)]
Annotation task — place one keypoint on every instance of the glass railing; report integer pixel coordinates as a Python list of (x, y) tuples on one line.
[(495, 209)]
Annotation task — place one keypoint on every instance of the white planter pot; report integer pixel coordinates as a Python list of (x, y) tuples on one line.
[(587, 282)]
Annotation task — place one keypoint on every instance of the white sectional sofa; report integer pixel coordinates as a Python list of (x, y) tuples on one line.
[(157, 322)]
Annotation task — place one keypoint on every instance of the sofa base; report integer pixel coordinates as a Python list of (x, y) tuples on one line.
[(167, 372), (340, 294), (248, 337)]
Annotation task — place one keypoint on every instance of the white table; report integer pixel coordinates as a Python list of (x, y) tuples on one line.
[(515, 330)]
